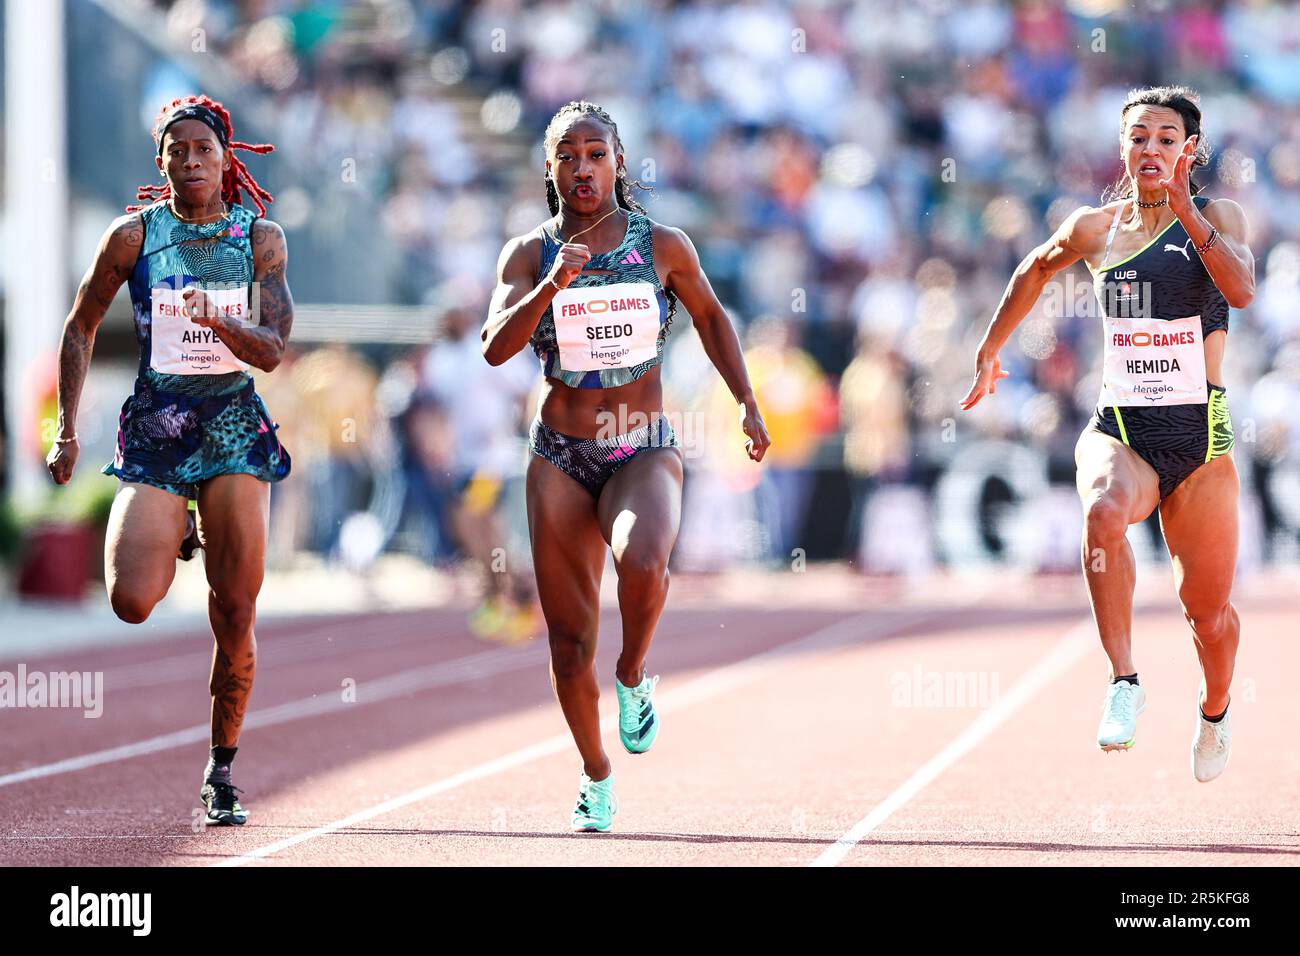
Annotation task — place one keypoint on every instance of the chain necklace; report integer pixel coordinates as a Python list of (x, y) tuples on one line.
[(1151, 205), (224, 214), (591, 227)]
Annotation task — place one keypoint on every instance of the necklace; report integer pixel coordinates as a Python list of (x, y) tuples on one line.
[(1152, 205), (225, 213), (591, 227)]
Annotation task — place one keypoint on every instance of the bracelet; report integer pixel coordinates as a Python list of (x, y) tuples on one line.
[(64, 441), (1214, 237), (554, 283)]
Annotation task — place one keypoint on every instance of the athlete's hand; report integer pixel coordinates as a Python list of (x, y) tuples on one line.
[(988, 371), (1178, 187), (200, 309), (61, 461), (568, 263), (751, 423)]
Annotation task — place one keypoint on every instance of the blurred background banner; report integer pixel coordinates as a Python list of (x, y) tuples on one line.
[(860, 180)]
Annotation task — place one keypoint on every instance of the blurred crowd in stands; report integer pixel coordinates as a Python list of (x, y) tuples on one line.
[(860, 179)]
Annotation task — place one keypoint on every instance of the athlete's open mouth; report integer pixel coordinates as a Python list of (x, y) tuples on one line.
[(1150, 168)]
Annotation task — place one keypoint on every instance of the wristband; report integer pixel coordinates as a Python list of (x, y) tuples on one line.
[(1214, 237), (554, 283)]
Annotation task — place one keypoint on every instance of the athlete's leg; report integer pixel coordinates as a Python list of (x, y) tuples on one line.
[(1200, 525), (569, 558), (1117, 489), (640, 510), (234, 517), (145, 529)]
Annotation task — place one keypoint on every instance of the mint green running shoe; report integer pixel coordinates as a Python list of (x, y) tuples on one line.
[(596, 804), (638, 724)]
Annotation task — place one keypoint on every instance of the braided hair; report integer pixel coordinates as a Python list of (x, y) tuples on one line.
[(1186, 103), (564, 117), (234, 180)]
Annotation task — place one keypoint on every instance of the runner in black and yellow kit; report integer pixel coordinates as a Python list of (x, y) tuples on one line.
[(605, 468), (1167, 267)]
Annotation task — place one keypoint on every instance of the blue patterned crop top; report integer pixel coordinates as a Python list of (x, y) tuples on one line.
[(630, 265)]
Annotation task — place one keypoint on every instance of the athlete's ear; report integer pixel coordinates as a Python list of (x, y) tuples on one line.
[(158, 162)]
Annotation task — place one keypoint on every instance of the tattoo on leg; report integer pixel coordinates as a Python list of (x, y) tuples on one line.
[(232, 684)]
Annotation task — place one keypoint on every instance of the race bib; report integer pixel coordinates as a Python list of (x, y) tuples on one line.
[(180, 347), (608, 326), (1154, 362)]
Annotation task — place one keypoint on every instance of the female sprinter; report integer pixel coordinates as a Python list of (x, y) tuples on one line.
[(206, 277), (605, 467), (1167, 267)]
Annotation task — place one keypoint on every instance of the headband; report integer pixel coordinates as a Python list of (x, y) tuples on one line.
[(198, 112)]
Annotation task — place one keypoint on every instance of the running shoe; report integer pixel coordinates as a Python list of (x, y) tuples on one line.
[(596, 806), (487, 620), (638, 724), (1211, 747), (190, 543), (1119, 714), (223, 807)]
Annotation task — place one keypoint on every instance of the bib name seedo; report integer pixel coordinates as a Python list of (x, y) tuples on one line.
[(182, 347), (608, 326), (1154, 362)]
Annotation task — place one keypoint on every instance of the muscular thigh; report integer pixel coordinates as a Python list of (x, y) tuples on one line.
[(640, 507), (145, 528), (1199, 521), (568, 550), (234, 519), (1107, 468)]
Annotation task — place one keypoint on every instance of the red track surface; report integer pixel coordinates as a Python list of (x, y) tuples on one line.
[(782, 729)]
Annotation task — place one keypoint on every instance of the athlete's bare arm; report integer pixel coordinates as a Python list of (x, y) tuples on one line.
[(518, 301), (261, 345), (1229, 261), (1079, 236), (114, 260), (683, 275)]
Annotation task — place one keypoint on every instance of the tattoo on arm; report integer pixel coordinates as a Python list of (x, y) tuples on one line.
[(262, 345), (114, 261)]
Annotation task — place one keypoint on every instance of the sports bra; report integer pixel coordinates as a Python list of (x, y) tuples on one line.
[(632, 261)]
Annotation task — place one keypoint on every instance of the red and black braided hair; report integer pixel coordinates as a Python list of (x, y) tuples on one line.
[(234, 180)]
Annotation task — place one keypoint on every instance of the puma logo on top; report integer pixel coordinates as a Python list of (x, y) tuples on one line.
[(1170, 247)]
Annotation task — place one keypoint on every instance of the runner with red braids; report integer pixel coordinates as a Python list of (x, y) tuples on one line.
[(207, 281)]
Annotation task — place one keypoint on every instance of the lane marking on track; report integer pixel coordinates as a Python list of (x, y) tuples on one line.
[(272, 652), (857, 628), (1068, 650), (473, 667)]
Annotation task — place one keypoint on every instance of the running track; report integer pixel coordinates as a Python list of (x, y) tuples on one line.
[(787, 739)]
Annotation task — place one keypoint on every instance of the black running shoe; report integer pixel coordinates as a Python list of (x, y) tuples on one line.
[(190, 543), (223, 809)]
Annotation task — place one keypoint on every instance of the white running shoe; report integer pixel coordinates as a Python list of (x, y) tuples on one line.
[(1119, 714), (1211, 747)]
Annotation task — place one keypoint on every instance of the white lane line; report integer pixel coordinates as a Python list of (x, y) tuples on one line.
[(473, 667), (859, 628), (1066, 652)]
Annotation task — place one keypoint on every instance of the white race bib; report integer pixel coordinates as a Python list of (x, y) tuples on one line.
[(608, 326), (180, 347), (1154, 362)]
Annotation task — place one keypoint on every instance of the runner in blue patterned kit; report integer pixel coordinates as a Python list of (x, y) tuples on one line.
[(594, 291)]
